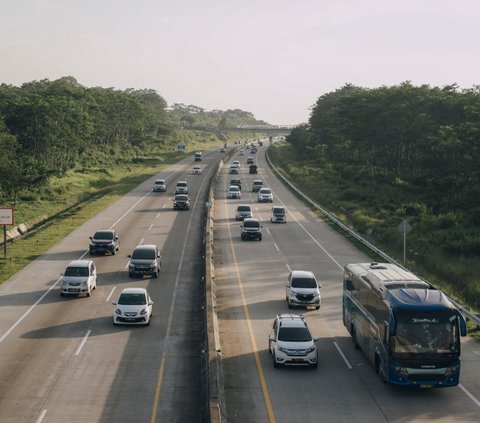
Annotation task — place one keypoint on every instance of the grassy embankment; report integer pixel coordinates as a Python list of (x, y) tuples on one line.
[(375, 211), (97, 181)]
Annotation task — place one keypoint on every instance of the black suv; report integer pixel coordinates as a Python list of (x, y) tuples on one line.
[(251, 229), (236, 182), (145, 260), (104, 241), (181, 202)]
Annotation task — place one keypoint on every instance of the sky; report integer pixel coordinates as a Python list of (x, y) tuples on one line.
[(273, 58)]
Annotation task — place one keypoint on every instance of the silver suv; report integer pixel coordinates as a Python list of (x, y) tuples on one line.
[(302, 289), (80, 277), (291, 343), (181, 187), (251, 229), (145, 260)]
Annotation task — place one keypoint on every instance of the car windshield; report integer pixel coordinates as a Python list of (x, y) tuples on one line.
[(294, 334), (132, 299), (234, 188), (103, 235), (426, 332), (304, 283), (264, 191), (181, 184), (159, 182), (143, 254), (253, 224), (257, 183), (243, 208), (279, 211), (76, 271), (181, 198)]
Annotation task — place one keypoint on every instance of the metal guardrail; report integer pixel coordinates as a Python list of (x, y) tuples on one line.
[(465, 311)]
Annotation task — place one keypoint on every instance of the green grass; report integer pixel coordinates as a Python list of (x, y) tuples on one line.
[(65, 203)]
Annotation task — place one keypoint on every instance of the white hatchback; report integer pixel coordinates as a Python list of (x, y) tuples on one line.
[(80, 277), (134, 307)]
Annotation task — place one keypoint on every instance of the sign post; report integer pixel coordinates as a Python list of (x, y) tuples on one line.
[(404, 228), (6, 218)]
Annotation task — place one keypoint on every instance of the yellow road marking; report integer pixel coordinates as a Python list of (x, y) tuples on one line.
[(157, 390), (263, 383)]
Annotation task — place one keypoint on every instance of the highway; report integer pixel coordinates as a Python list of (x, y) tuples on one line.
[(250, 279), (61, 359)]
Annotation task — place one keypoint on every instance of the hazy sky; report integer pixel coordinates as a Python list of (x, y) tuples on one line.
[(273, 58)]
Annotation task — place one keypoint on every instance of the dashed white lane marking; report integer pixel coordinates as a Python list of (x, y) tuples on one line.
[(83, 342), (342, 355), (288, 267), (469, 394), (110, 295), (276, 246)]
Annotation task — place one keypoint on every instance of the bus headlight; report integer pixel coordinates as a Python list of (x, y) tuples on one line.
[(401, 370), (452, 369)]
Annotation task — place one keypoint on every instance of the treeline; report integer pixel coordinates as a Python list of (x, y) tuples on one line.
[(190, 115), (45, 126), (409, 152)]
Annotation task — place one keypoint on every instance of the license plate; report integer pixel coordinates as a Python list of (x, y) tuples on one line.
[(297, 360), (129, 319), (73, 290)]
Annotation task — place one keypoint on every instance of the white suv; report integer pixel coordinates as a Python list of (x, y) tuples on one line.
[(291, 342), (265, 195), (80, 277), (302, 289), (181, 187)]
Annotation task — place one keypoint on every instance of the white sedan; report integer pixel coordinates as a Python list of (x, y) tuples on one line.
[(134, 307)]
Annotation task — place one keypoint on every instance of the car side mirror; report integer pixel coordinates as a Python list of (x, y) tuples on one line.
[(62, 274), (150, 303), (129, 256), (114, 303), (320, 285), (287, 286), (316, 339), (271, 338), (116, 238), (91, 237), (158, 256)]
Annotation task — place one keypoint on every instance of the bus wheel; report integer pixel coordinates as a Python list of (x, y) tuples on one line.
[(354, 338), (377, 364)]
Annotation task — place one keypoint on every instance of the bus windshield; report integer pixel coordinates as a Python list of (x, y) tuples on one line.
[(426, 332)]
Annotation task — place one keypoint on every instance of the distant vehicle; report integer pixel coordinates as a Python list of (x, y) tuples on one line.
[(252, 169), (159, 185), (302, 289), (237, 182), (134, 307), (234, 192), (251, 229), (181, 187), (222, 150), (198, 156), (260, 143), (225, 145), (409, 330), (233, 169), (257, 184), (241, 153), (265, 195), (237, 163), (279, 214), (181, 202), (291, 342), (244, 211), (104, 241), (250, 160), (144, 260), (80, 277), (197, 170)]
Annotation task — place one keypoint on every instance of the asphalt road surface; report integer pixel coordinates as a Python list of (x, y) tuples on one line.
[(250, 289), (62, 360)]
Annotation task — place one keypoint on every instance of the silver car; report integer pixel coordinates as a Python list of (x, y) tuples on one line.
[(244, 211)]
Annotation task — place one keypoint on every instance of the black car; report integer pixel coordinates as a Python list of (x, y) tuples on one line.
[(252, 169), (181, 202), (104, 241), (236, 182)]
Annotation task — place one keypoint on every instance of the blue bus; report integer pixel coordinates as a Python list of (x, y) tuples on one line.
[(408, 329)]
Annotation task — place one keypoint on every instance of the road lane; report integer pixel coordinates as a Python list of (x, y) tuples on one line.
[(50, 369), (345, 386)]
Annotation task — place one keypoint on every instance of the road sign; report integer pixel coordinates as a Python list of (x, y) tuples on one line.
[(6, 216), (404, 227)]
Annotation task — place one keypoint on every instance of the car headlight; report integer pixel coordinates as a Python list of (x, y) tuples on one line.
[(144, 311), (118, 311), (64, 282), (283, 349), (309, 350), (84, 283)]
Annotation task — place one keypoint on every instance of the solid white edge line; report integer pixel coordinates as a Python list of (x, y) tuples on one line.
[(41, 416), (29, 310), (110, 295), (288, 267), (83, 342), (342, 355), (276, 246), (469, 394)]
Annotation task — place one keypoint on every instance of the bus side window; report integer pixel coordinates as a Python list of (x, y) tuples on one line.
[(349, 285), (386, 332)]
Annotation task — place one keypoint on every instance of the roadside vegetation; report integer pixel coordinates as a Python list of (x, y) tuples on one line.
[(69, 151), (375, 157)]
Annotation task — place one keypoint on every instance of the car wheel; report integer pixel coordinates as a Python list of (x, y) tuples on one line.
[(130, 275), (62, 294), (289, 304), (315, 365), (260, 238), (89, 293), (354, 338), (317, 308), (90, 253), (275, 364), (155, 275), (114, 251)]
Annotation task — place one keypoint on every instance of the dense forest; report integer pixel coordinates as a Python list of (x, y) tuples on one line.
[(378, 156), (49, 127)]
